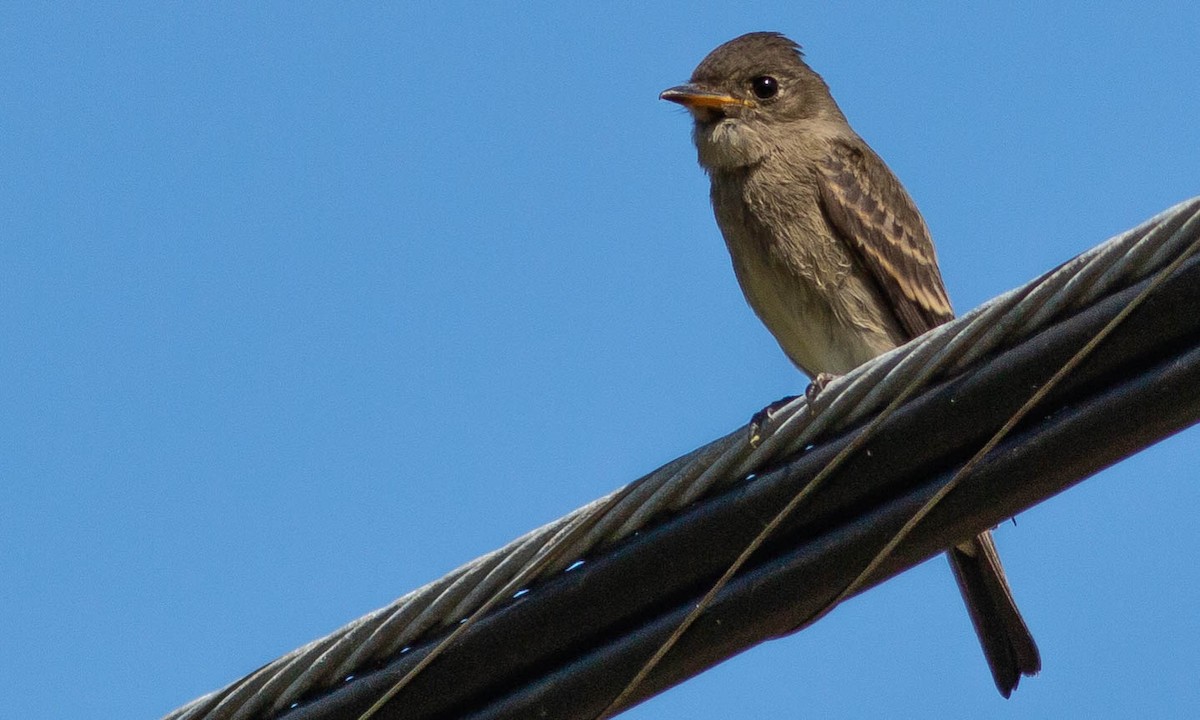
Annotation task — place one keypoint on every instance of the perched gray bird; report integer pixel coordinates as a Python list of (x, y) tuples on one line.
[(832, 255)]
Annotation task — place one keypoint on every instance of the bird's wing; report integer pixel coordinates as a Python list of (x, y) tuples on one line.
[(869, 209)]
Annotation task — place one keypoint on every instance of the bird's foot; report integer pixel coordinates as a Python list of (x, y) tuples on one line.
[(817, 385), (764, 416)]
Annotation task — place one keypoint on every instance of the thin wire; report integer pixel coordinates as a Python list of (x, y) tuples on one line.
[(797, 499)]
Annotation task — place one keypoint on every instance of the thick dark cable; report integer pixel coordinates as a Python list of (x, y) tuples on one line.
[(567, 647)]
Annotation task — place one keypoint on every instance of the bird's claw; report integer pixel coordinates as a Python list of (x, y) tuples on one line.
[(817, 385), (764, 416)]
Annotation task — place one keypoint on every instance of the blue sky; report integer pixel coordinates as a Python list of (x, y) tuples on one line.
[(303, 306)]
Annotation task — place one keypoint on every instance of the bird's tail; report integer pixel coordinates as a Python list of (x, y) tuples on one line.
[(1007, 643)]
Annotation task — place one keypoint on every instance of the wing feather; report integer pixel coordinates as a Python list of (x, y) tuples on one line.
[(869, 209)]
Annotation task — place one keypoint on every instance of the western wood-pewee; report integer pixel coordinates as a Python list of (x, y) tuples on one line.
[(832, 255)]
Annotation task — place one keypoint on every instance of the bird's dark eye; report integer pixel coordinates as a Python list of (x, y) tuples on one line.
[(764, 87)]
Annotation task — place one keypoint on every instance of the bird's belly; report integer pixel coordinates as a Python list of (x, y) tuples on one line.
[(829, 329)]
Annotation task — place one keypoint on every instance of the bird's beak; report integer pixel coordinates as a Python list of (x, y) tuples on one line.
[(694, 96)]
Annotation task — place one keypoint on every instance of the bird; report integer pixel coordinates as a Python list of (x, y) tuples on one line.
[(832, 255)]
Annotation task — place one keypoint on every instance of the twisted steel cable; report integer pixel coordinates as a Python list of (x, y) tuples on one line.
[(481, 584)]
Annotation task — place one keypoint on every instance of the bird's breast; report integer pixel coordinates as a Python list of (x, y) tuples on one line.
[(801, 280)]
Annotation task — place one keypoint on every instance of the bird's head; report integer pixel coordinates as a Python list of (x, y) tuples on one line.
[(747, 96)]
